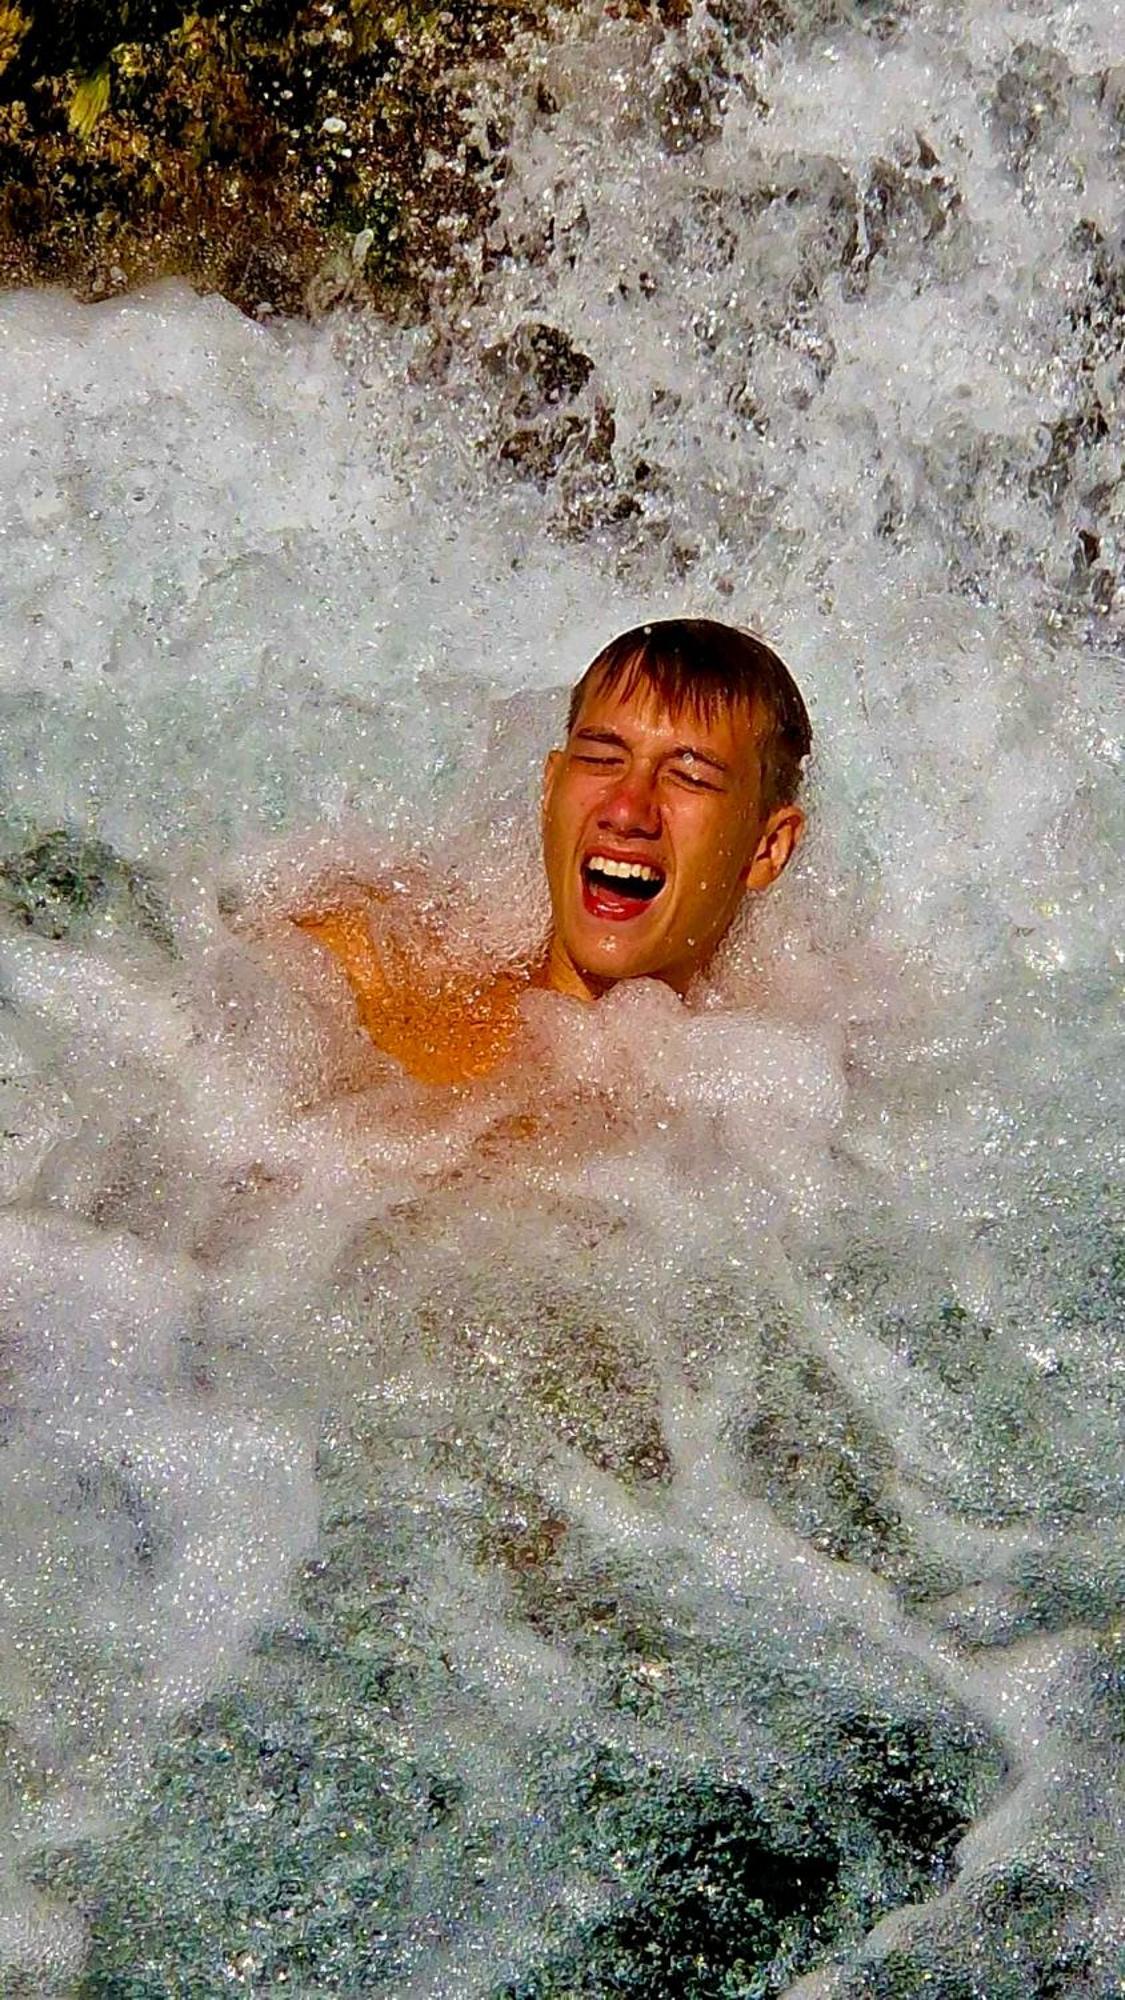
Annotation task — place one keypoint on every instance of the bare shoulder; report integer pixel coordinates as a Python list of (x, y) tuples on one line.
[(350, 934), (442, 1021)]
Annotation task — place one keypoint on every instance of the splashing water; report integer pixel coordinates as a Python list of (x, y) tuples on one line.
[(651, 1521)]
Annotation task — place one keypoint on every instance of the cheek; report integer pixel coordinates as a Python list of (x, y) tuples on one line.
[(710, 861), (562, 818), (569, 807), (707, 844)]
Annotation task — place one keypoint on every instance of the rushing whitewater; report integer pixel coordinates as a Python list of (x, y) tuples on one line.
[(653, 1521)]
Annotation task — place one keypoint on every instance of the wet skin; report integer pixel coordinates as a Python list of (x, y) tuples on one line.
[(438, 1021), (681, 795)]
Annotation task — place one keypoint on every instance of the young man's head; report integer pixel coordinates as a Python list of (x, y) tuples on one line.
[(674, 794)]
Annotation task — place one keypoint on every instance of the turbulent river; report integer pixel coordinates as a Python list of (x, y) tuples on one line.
[(652, 1523)]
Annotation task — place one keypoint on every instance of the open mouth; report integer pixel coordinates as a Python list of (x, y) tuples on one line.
[(619, 889)]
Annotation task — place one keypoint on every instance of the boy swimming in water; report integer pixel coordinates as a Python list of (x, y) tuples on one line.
[(674, 795)]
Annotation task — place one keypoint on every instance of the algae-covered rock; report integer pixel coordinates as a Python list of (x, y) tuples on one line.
[(284, 155)]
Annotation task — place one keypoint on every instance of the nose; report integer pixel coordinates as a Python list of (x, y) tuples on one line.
[(632, 808)]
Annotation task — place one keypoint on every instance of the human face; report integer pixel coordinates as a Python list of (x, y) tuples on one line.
[(640, 787)]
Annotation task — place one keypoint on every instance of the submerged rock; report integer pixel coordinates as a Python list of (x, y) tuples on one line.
[(359, 1804), (64, 880), (1030, 107)]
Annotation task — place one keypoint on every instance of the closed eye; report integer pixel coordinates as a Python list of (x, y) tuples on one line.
[(599, 763), (695, 784)]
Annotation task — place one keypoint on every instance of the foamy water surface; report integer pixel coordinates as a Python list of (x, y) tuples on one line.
[(651, 1521)]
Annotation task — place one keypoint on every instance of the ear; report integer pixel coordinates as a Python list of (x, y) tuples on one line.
[(777, 842), (550, 772)]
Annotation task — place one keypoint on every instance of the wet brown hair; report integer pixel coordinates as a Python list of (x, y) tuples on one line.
[(698, 664)]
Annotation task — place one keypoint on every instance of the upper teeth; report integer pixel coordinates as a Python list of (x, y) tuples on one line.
[(638, 870)]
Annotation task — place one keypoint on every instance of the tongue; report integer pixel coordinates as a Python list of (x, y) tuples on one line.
[(616, 902)]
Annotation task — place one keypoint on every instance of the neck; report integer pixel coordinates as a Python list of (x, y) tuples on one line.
[(559, 974)]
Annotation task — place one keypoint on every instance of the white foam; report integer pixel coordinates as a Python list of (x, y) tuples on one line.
[(278, 609)]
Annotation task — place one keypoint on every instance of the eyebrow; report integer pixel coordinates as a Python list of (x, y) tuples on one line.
[(681, 750)]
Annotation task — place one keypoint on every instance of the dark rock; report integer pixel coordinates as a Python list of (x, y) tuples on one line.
[(891, 512), (536, 452), (906, 202), (690, 108), (542, 366), (1030, 106), (762, 22), (1053, 477), (1111, 96)]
